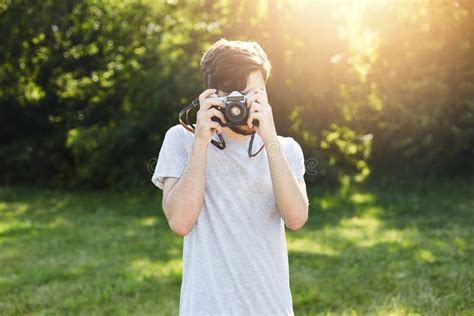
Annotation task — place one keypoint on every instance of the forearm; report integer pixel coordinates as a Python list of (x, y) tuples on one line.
[(184, 202), (290, 195)]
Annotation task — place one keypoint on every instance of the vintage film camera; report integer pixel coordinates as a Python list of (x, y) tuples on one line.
[(235, 111)]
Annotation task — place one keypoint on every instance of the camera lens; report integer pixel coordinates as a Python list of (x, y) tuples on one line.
[(236, 111)]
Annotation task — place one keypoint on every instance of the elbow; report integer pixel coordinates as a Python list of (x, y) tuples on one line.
[(297, 222), (181, 231), (179, 228), (177, 224)]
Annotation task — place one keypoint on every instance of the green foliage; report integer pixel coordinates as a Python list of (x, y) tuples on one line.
[(425, 80), (388, 248), (95, 88), (88, 89), (399, 74)]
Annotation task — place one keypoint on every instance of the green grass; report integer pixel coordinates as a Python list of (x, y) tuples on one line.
[(384, 249)]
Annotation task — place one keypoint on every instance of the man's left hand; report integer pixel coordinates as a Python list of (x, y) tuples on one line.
[(261, 111)]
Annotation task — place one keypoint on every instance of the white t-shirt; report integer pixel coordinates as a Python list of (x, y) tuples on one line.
[(235, 259)]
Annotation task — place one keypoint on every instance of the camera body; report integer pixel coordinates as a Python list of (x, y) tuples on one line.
[(235, 109)]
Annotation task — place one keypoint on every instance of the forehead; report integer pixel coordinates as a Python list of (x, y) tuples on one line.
[(255, 81)]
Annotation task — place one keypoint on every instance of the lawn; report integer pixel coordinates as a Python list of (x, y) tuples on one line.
[(386, 248)]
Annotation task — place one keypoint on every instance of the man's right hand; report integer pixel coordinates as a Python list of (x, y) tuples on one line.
[(183, 197), (205, 126)]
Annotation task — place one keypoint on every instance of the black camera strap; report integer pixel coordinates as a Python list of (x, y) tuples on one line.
[(251, 145), (183, 118)]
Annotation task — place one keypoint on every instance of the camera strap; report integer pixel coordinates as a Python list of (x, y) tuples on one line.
[(251, 145), (183, 118)]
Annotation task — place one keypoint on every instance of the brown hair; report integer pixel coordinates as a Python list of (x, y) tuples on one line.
[(227, 65)]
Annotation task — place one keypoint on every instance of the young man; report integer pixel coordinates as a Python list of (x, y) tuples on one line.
[(232, 207)]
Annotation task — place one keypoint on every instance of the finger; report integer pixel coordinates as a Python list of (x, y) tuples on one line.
[(214, 112), (251, 99), (259, 91), (207, 93), (216, 127), (253, 116), (209, 102), (208, 114), (210, 125), (256, 98), (255, 107)]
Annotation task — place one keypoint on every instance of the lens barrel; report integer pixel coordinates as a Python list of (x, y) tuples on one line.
[(236, 111)]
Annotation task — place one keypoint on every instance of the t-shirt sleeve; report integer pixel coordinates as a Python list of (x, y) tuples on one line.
[(172, 158), (295, 157)]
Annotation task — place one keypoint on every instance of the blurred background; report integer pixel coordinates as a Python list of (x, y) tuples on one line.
[(381, 87), (380, 95)]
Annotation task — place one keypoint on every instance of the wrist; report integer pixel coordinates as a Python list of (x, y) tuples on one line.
[(273, 147), (270, 139), (200, 143)]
